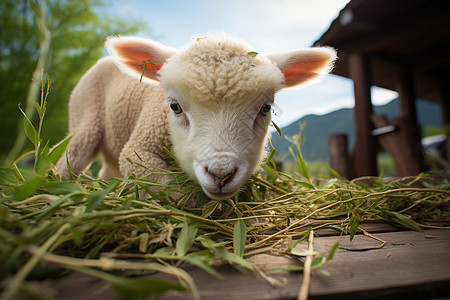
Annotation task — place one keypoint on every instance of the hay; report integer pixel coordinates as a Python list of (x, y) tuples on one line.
[(100, 224)]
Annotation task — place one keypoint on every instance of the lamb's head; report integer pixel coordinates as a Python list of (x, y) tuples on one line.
[(220, 94)]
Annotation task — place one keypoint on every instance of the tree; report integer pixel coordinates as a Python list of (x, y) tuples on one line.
[(77, 29)]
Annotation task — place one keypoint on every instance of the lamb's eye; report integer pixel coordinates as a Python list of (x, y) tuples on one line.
[(176, 107), (265, 109)]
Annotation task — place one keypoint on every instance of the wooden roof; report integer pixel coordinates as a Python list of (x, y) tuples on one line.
[(397, 35)]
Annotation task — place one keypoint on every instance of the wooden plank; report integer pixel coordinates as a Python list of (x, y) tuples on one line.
[(412, 265)]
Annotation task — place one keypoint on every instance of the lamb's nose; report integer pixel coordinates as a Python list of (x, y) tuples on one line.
[(219, 179)]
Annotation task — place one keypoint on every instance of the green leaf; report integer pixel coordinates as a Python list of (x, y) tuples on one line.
[(30, 131), (332, 251), (302, 252), (302, 167), (323, 271), (140, 287), (220, 250), (58, 150), (209, 208), (381, 174), (304, 183), (402, 219), (27, 188), (354, 223), (138, 156), (41, 160), (318, 262), (239, 238), (270, 172), (96, 198), (252, 53), (305, 236), (38, 109), (186, 238), (334, 173), (271, 155), (203, 260), (144, 66), (73, 176), (165, 251), (276, 128), (61, 187)]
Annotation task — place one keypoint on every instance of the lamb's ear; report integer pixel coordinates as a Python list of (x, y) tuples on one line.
[(132, 53), (304, 65)]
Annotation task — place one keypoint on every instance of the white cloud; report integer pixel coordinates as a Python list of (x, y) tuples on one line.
[(273, 26)]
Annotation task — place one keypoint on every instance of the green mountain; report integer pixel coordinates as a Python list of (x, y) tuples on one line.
[(317, 128)]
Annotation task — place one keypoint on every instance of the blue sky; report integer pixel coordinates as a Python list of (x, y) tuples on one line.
[(269, 26)]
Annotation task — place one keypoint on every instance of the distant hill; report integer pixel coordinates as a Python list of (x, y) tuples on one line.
[(319, 127)]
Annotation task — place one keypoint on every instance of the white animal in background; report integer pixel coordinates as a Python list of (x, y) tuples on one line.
[(210, 103)]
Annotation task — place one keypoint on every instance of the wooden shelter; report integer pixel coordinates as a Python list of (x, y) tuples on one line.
[(400, 45)]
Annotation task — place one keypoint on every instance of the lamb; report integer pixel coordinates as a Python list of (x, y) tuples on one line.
[(210, 103)]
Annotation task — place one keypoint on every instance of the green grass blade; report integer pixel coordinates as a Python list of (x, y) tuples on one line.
[(401, 219), (58, 150), (96, 198), (186, 238), (30, 131), (276, 128), (203, 259), (302, 167), (353, 223), (332, 252), (239, 238), (27, 188)]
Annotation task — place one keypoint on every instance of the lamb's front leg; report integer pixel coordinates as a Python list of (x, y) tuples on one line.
[(133, 156)]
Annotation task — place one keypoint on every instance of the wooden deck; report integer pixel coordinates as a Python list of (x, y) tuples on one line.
[(411, 265)]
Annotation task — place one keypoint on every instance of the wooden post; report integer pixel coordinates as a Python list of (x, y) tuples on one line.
[(445, 112), (365, 161), (338, 152), (409, 113)]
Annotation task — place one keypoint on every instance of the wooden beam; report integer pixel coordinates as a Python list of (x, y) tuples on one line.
[(365, 162), (390, 32)]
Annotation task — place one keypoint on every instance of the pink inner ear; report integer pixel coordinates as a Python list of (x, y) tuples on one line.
[(301, 69), (134, 56), (296, 76)]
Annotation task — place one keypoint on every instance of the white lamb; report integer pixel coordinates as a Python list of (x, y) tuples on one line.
[(210, 103)]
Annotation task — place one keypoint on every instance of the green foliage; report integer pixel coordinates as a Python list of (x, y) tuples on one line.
[(78, 30), (431, 130), (386, 165)]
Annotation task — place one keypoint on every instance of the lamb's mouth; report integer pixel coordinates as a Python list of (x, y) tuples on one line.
[(219, 195)]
